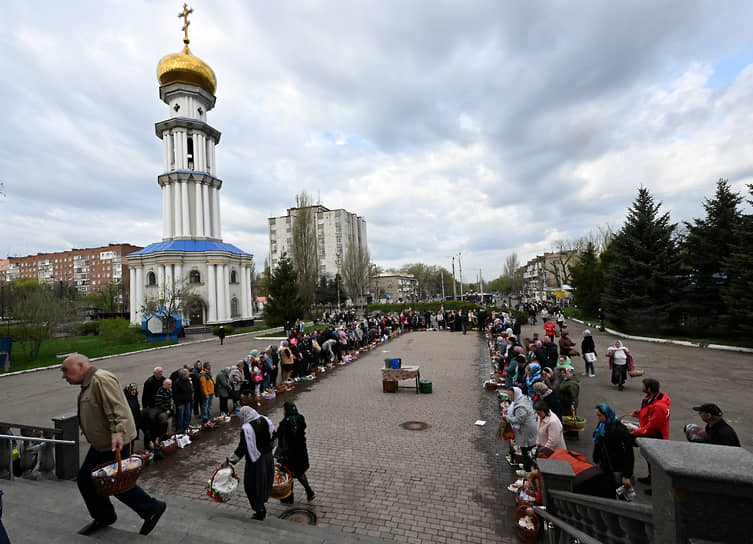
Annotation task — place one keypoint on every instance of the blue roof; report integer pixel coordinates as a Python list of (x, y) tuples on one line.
[(189, 245)]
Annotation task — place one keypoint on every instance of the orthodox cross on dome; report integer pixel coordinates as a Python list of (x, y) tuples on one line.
[(185, 13)]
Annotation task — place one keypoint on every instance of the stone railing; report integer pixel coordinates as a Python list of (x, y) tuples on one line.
[(47, 452), (701, 493)]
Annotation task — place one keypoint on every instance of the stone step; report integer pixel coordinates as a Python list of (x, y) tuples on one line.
[(197, 330), (53, 511)]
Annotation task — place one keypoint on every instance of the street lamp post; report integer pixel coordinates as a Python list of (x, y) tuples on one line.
[(454, 292), (460, 265)]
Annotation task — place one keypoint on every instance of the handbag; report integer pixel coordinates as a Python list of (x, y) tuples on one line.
[(590, 357)]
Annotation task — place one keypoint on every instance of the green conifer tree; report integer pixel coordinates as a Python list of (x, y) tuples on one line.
[(284, 302), (588, 280), (642, 279), (707, 243), (737, 292)]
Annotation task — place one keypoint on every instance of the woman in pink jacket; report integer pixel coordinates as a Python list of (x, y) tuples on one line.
[(550, 428)]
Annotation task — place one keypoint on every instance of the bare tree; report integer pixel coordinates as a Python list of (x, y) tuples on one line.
[(305, 254), (170, 302), (355, 269), (513, 272), (566, 253), (600, 239)]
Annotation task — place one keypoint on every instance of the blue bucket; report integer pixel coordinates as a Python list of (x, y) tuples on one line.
[(396, 363)]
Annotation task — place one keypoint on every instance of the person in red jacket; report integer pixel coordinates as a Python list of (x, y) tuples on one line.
[(653, 417), (549, 328)]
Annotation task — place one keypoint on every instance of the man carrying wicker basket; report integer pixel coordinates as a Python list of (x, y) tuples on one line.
[(107, 423)]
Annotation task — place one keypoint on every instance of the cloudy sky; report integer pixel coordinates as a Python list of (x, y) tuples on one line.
[(481, 128)]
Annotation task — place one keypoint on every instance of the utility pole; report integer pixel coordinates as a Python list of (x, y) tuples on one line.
[(454, 292), (441, 275)]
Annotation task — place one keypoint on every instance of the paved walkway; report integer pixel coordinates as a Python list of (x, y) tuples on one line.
[(371, 476), (445, 484)]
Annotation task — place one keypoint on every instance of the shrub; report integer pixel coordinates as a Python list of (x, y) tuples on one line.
[(87, 328), (120, 331), (229, 329)]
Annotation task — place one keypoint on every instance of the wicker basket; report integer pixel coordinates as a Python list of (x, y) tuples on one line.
[(527, 534), (223, 489), (171, 448), (146, 456), (284, 488), (194, 433), (635, 373), (574, 423), (107, 484)]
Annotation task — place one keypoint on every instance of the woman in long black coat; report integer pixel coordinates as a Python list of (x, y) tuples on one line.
[(256, 446), (613, 447), (131, 393), (291, 450)]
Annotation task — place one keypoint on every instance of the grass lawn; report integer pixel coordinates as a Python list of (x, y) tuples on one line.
[(250, 329), (91, 346), (577, 313)]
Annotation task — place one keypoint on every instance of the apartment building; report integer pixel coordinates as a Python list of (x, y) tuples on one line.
[(334, 231), (395, 287), (89, 269), (548, 273)]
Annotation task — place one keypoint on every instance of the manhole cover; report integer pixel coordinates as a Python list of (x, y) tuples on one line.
[(299, 515), (415, 426)]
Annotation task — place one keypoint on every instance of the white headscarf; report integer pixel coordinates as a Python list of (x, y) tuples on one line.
[(518, 395), (247, 415)]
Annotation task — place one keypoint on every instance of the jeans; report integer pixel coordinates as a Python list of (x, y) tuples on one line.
[(182, 417), (101, 508), (4, 539), (206, 408)]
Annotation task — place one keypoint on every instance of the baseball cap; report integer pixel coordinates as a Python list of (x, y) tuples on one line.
[(709, 408)]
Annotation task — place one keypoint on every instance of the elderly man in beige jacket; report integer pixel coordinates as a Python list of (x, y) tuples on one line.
[(107, 422)]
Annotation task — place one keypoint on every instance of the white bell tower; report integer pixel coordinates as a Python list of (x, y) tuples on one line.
[(191, 255)]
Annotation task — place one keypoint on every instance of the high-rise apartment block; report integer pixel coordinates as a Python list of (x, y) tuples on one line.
[(335, 231)]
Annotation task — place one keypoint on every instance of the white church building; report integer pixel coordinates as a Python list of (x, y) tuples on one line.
[(191, 254)]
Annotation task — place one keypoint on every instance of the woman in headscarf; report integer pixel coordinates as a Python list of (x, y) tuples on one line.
[(568, 389), (131, 392), (613, 447), (256, 446), (533, 375), (620, 361), (291, 450), (521, 416), (547, 395)]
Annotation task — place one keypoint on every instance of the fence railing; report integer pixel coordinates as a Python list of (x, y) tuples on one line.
[(53, 452), (607, 521), (701, 493)]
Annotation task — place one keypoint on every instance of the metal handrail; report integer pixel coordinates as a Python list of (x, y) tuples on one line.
[(29, 439), (566, 527), (37, 439)]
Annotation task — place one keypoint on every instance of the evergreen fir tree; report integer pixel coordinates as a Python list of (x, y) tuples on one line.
[(642, 279), (707, 243), (588, 281), (284, 302), (737, 292)]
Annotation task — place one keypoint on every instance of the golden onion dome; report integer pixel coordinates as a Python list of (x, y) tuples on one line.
[(183, 67)]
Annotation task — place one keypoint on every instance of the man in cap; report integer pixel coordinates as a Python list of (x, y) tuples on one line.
[(718, 431)]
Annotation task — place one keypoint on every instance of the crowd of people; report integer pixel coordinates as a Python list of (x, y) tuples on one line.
[(540, 400)]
